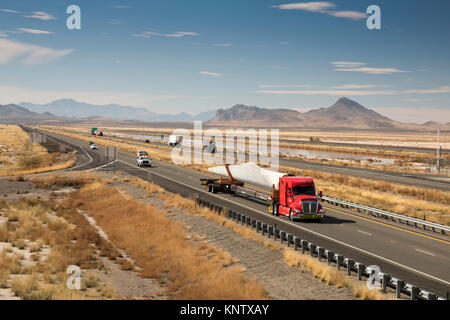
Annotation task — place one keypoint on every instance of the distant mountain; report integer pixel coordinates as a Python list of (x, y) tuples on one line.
[(345, 113), (72, 108), (12, 112)]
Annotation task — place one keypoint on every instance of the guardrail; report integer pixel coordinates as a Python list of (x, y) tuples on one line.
[(394, 217), (350, 265)]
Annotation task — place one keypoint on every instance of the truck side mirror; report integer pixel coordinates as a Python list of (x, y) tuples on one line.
[(320, 194)]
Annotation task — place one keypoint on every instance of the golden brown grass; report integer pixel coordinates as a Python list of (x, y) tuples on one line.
[(319, 270), (410, 201), (17, 158), (71, 239), (159, 246)]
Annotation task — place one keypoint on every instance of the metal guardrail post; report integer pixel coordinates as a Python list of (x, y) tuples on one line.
[(320, 252), (289, 239), (264, 226), (339, 259), (258, 226), (350, 263), (311, 247), (303, 243), (282, 234), (296, 243), (414, 292), (386, 278), (243, 219), (361, 268), (399, 286), (329, 255), (269, 228)]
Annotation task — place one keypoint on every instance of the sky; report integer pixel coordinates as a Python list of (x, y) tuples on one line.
[(192, 56)]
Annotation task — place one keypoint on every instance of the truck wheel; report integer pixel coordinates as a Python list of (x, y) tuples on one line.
[(214, 189), (209, 188), (291, 216), (275, 209)]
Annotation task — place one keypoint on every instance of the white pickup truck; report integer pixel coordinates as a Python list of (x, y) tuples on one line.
[(144, 162)]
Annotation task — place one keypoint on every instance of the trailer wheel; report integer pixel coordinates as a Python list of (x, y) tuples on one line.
[(275, 209), (214, 189), (209, 188)]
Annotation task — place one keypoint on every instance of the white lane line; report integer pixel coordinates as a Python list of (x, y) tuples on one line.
[(301, 228), (364, 232), (85, 164), (426, 252)]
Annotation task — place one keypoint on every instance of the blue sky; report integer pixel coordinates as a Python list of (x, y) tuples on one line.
[(178, 55)]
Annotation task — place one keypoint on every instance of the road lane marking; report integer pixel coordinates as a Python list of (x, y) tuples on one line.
[(388, 225), (364, 232), (301, 228), (426, 252)]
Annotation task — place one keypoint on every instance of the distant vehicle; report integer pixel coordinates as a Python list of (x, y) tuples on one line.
[(147, 141), (174, 140), (144, 162), (100, 133), (142, 153), (94, 147), (91, 142)]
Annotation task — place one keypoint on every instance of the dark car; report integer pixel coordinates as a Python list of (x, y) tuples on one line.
[(91, 142), (147, 141)]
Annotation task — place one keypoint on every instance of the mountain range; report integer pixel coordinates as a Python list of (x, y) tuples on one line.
[(72, 108), (345, 114)]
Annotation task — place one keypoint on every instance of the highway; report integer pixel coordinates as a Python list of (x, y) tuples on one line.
[(418, 258), (409, 179)]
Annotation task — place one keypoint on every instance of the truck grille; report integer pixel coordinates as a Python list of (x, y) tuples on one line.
[(309, 206)]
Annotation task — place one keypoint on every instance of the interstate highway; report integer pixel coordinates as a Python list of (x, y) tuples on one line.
[(421, 259)]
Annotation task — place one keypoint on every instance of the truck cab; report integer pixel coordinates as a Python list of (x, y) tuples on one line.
[(297, 199)]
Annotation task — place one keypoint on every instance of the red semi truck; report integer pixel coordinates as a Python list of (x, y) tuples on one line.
[(296, 197)]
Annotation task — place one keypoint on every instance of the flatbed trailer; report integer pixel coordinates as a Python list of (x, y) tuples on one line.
[(295, 206)]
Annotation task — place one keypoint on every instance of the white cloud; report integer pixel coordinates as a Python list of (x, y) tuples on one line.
[(359, 86), (120, 7), (178, 34), (33, 54), (354, 15), (13, 94), (318, 6), (348, 64), (369, 70), (265, 86), (3, 35), (41, 15), (323, 7), (141, 35), (443, 89), (207, 73), (222, 45), (339, 93), (284, 42), (34, 31), (10, 11)]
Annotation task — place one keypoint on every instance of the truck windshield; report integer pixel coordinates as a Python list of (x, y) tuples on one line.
[(304, 190)]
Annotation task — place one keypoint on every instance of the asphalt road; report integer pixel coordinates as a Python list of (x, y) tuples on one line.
[(418, 258), (409, 179)]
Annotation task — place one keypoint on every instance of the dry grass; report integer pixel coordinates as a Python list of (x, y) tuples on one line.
[(416, 202), (159, 246), (70, 240), (18, 160), (319, 270)]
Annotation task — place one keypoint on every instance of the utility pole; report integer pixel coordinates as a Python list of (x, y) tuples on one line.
[(438, 156)]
